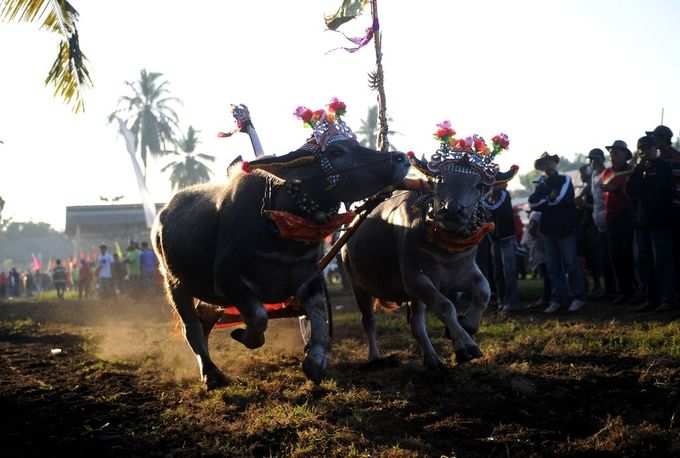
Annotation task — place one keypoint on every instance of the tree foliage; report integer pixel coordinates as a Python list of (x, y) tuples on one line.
[(68, 74), (150, 113), (190, 169)]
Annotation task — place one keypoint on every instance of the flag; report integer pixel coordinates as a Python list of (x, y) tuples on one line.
[(349, 9), (131, 145), (36, 264), (119, 252)]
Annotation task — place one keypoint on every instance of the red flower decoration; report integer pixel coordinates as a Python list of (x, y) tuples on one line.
[(317, 115), (464, 144), (480, 145), (500, 142), (410, 154), (337, 107), (245, 167), (444, 132)]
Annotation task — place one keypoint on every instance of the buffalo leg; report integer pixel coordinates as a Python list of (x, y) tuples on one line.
[(255, 317), (423, 289), (478, 296), (312, 296), (419, 330), (193, 331), (364, 302)]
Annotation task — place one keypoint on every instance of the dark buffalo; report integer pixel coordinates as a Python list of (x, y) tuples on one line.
[(216, 244), (419, 247)]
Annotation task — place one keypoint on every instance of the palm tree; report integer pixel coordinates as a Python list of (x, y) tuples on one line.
[(369, 128), (149, 110), (190, 170), (68, 73)]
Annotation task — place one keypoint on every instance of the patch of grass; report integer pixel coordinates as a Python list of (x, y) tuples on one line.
[(24, 326)]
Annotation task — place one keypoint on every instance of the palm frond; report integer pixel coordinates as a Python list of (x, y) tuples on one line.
[(206, 157), (68, 74)]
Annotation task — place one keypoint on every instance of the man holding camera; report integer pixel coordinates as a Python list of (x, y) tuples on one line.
[(651, 189)]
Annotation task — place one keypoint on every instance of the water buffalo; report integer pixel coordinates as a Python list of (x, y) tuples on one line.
[(217, 244), (419, 247)]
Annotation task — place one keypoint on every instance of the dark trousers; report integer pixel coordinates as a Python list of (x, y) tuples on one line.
[(655, 258), (547, 288), (620, 231), (485, 262), (676, 248), (604, 262)]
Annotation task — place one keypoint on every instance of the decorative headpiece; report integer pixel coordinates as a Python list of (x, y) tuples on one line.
[(463, 154), (327, 125)]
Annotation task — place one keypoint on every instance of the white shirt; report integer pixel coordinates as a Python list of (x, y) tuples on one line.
[(104, 263), (599, 212)]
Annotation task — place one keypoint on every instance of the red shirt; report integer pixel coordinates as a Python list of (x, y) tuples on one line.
[(617, 201)]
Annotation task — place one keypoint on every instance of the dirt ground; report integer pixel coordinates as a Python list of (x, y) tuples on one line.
[(95, 379)]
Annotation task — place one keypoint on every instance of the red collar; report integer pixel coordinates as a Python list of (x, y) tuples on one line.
[(294, 227), (453, 243)]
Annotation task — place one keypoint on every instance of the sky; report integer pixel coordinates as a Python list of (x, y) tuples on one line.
[(558, 76)]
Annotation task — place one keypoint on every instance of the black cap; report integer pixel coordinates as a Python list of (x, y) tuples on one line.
[(596, 153), (661, 132), (646, 142), (540, 163)]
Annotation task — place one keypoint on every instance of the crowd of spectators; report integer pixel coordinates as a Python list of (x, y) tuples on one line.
[(617, 240)]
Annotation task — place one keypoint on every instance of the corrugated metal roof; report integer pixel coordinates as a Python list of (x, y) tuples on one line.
[(93, 216)]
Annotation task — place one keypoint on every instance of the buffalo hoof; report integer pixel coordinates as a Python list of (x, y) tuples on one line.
[(314, 368), (247, 339), (386, 362), (214, 378), (468, 353), (435, 364)]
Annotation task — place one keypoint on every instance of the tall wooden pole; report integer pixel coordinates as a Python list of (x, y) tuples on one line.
[(379, 80)]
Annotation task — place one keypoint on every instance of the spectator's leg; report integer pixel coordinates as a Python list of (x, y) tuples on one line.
[(664, 269), (625, 254), (498, 271), (555, 265), (646, 264), (606, 263), (508, 260), (573, 267)]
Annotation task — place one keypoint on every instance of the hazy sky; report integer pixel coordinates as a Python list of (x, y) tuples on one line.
[(562, 76)]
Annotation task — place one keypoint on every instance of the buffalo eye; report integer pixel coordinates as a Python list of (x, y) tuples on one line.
[(336, 152)]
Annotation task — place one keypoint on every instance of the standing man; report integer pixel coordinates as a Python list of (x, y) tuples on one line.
[(105, 272), (663, 138), (132, 259), (554, 198), (148, 262), (84, 279), (651, 188), (619, 219), (59, 278), (499, 204), (601, 255)]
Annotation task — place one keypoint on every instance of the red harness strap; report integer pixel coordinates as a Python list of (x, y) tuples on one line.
[(294, 227), (453, 243)]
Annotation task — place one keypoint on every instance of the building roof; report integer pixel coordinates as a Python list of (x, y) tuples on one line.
[(96, 218)]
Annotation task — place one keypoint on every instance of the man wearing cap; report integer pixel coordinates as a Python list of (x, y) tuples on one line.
[(554, 198), (499, 204), (601, 255), (663, 138), (619, 219), (651, 188), (104, 272)]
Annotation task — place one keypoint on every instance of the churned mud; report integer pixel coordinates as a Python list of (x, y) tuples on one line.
[(117, 379)]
